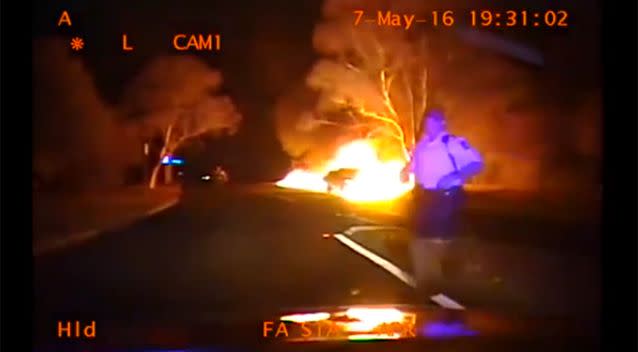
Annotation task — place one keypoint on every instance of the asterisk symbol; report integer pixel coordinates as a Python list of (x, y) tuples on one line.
[(77, 43)]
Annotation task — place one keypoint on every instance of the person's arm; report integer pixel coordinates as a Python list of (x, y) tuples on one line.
[(472, 169), (469, 161)]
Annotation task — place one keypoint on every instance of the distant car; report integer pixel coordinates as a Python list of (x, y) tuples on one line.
[(218, 176), (337, 179)]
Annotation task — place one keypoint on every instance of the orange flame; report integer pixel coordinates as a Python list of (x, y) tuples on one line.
[(375, 181)]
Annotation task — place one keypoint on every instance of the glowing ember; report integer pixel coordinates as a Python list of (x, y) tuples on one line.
[(375, 181)]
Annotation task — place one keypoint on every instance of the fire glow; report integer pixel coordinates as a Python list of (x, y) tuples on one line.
[(375, 181), (357, 323)]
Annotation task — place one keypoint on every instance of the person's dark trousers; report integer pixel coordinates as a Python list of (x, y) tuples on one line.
[(436, 220)]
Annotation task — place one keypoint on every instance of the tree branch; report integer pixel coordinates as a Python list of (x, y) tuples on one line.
[(357, 47), (379, 51), (352, 67), (424, 89), (381, 130), (424, 78), (385, 89), (401, 137), (412, 115)]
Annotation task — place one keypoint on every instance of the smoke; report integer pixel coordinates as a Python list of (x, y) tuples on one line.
[(368, 83), (516, 113), (302, 137)]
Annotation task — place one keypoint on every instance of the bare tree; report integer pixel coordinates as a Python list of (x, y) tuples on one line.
[(376, 71), (383, 77), (178, 96)]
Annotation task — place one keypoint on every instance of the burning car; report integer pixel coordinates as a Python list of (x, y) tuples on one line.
[(217, 176), (338, 179), (355, 173)]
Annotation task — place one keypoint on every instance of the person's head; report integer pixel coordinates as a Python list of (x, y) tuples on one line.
[(434, 123)]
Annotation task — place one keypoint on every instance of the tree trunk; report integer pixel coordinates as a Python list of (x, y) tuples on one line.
[(145, 165), (408, 89), (153, 182)]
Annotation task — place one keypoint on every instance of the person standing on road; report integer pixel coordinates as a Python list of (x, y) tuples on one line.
[(441, 164)]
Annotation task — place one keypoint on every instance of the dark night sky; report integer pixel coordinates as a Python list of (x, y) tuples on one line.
[(266, 46), (262, 41), (253, 30)]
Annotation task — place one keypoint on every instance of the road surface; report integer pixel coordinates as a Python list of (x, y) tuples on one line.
[(212, 253), (246, 248)]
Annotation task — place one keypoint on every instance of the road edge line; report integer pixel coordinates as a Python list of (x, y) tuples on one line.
[(162, 207), (440, 298), (80, 237)]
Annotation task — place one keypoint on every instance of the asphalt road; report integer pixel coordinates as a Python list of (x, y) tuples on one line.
[(214, 252), (243, 249)]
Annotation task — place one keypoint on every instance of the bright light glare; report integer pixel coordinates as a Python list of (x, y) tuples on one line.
[(362, 323), (300, 179), (375, 181), (304, 318), (369, 318)]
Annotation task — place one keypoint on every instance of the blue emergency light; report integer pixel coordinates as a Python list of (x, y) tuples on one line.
[(168, 160)]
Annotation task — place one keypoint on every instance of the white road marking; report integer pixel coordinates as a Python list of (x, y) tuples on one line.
[(446, 302), (380, 261), (440, 299)]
